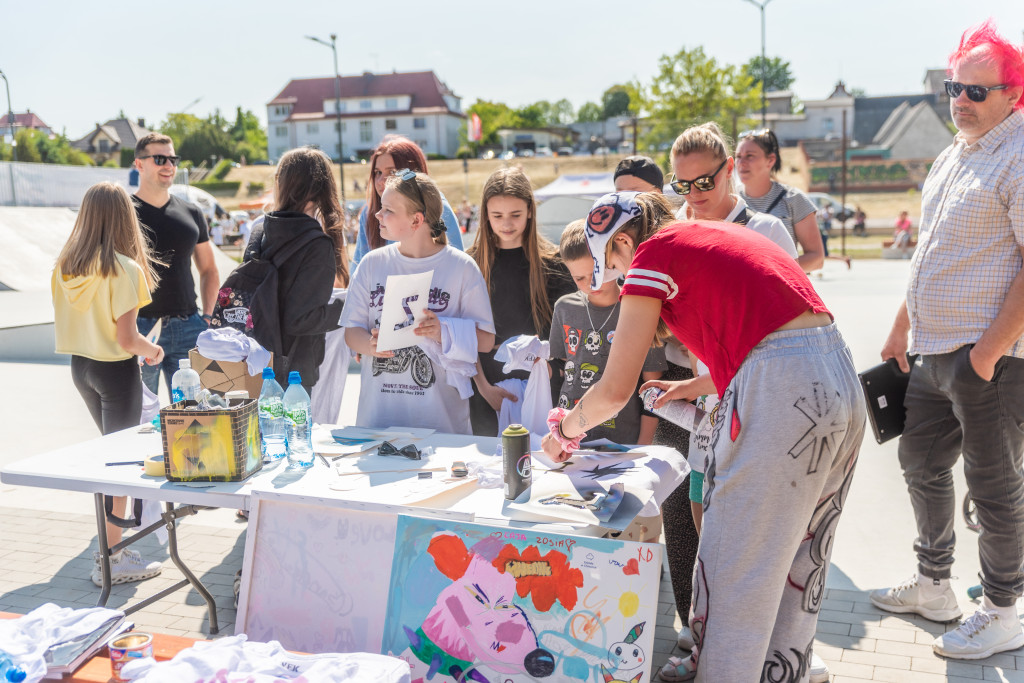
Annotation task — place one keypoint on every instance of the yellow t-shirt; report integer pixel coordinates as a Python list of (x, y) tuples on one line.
[(86, 309)]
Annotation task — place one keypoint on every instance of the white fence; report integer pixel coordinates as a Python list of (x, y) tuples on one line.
[(25, 184)]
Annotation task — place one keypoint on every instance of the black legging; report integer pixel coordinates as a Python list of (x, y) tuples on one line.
[(112, 391), (680, 535)]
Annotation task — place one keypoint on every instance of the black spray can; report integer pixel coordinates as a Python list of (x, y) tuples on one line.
[(516, 462)]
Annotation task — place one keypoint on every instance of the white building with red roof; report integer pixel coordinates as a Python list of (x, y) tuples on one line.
[(29, 119), (417, 105)]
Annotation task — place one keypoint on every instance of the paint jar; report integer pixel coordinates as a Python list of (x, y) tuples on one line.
[(516, 461), (127, 647)]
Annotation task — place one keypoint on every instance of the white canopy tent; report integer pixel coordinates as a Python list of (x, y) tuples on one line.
[(568, 198)]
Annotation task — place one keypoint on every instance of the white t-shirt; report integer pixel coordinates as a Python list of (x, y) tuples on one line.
[(761, 223), (408, 390)]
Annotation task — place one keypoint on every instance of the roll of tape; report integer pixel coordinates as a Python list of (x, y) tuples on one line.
[(155, 466)]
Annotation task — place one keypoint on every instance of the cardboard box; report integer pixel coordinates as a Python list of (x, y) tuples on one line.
[(221, 376), (211, 445)]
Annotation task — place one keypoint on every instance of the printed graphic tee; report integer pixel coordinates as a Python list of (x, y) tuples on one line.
[(584, 342), (408, 390)]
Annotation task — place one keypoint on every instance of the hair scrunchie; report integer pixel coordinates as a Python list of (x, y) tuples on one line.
[(555, 418)]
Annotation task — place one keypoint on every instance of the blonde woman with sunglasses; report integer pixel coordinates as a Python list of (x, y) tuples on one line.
[(758, 159)]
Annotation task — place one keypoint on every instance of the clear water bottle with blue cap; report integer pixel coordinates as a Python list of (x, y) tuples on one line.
[(273, 425), (299, 417)]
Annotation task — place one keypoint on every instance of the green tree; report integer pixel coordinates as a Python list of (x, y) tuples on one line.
[(690, 88), (249, 136), (209, 140), (493, 115), (179, 126), (562, 113), (615, 101), (589, 112), (778, 77), (531, 115)]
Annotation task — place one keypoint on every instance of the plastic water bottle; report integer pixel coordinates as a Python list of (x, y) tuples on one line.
[(10, 671), (273, 426), (184, 382), (300, 423)]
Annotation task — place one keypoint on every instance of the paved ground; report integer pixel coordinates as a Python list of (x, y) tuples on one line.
[(47, 537)]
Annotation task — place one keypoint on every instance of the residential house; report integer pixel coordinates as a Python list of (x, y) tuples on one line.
[(28, 119), (417, 105), (106, 141)]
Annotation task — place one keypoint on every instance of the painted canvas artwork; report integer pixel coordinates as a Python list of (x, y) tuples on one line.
[(470, 602)]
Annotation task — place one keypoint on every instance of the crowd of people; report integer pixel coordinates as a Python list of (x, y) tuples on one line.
[(709, 302)]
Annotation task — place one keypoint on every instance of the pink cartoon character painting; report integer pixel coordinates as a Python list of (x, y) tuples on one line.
[(474, 625)]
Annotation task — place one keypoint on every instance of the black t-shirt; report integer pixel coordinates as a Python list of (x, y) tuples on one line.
[(173, 230), (510, 301)]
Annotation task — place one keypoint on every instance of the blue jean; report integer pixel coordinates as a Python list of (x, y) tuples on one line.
[(952, 411), (177, 337)]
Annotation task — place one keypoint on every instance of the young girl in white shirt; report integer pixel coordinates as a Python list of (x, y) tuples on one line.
[(424, 385)]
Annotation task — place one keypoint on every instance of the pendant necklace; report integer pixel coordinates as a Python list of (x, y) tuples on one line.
[(586, 306)]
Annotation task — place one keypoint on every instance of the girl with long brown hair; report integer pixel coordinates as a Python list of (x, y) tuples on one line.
[(525, 277), (394, 153), (306, 207), (103, 275)]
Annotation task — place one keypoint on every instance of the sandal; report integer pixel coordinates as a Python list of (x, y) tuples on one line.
[(677, 669), (242, 514)]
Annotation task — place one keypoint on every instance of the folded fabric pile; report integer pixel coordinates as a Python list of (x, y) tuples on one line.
[(228, 344), (27, 638), (235, 660)]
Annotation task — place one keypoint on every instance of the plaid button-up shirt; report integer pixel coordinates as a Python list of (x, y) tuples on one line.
[(968, 252)]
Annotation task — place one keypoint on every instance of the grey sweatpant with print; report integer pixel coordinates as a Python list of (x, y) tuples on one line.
[(782, 457)]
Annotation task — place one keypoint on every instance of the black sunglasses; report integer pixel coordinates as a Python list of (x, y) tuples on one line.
[(407, 174), (975, 93), (162, 159), (705, 183), (410, 451)]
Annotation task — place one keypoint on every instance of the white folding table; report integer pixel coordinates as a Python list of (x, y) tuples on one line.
[(83, 467)]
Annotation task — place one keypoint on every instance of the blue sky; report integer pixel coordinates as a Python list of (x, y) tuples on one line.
[(76, 63)]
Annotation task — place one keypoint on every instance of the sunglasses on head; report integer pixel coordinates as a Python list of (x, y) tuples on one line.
[(705, 183), (765, 137), (162, 159), (407, 174), (975, 93)]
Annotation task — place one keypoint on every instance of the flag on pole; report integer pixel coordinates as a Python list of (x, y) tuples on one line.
[(475, 128)]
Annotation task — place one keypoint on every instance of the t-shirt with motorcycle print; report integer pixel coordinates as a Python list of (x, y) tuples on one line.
[(408, 390), (585, 351)]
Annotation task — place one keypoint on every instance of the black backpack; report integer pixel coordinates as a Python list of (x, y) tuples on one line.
[(249, 299)]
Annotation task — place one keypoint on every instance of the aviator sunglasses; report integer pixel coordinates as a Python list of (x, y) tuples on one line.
[(162, 159), (975, 93), (705, 183)]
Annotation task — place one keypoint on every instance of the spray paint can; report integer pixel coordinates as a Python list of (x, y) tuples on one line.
[(682, 413), (516, 462)]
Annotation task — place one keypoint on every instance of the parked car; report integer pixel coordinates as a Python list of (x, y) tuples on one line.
[(823, 199), (565, 151), (526, 153), (544, 152)]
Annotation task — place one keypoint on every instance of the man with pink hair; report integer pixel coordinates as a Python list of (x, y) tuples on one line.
[(964, 312)]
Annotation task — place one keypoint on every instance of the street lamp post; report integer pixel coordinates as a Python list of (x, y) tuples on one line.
[(764, 63), (337, 108), (10, 118)]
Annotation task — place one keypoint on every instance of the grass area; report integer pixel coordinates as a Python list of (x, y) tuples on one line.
[(454, 181)]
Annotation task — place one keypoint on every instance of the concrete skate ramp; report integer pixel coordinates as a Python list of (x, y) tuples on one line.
[(31, 239)]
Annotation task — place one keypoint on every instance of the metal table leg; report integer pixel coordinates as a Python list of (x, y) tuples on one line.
[(169, 519)]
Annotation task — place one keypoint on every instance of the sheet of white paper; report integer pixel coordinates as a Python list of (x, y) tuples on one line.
[(405, 297)]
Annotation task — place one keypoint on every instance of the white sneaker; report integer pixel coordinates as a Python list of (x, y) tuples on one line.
[(685, 639), (127, 567), (911, 597), (980, 635), (819, 669)]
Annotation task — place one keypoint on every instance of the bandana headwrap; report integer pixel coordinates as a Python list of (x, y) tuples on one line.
[(608, 214)]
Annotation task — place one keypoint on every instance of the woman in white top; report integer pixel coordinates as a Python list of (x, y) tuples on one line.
[(757, 161)]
